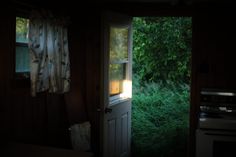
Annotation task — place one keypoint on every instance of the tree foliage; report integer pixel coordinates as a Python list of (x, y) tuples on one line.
[(161, 77), (22, 27), (160, 119), (162, 49)]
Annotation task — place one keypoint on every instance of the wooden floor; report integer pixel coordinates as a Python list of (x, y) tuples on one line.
[(28, 150)]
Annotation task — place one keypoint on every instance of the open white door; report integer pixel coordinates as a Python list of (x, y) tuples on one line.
[(117, 85)]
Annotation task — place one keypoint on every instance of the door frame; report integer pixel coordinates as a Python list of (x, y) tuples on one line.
[(109, 19)]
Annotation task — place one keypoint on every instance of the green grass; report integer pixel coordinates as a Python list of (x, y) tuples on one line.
[(160, 119)]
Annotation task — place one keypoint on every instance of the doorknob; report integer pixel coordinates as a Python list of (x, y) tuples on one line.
[(108, 110)]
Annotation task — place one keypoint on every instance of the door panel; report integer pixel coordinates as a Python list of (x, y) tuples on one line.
[(118, 131), (124, 134), (111, 130), (117, 85)]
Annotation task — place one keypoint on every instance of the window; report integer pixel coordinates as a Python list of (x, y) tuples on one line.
[(21, 50), (119, 61)]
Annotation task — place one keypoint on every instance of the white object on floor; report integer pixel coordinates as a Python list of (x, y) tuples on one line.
[(80, 136)]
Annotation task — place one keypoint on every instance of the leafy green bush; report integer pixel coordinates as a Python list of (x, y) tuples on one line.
[(160, 119), (161, 70), (162, 48)]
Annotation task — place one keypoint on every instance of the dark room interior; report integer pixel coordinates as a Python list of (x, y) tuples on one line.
[(45, 120)]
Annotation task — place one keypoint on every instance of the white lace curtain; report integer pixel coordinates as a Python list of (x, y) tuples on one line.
[(49, 54)]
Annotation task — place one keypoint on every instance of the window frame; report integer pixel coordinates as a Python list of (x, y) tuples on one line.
[(125, 66), (117, 98), (25, 76)]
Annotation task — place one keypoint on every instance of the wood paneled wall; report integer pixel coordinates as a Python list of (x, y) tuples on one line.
[(46, 118), (213, 59)]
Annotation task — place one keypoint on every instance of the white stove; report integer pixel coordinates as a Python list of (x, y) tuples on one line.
[(219, 122), (216, 132)]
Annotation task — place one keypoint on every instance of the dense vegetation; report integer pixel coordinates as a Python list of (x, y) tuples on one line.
[(161, 77), (162, 48)]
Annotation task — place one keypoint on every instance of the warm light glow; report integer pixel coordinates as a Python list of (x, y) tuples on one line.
[(127, 89), (115, 87)]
